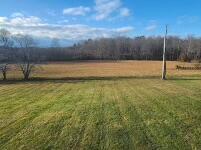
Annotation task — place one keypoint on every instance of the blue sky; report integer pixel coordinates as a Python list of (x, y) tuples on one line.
[(74, 20)]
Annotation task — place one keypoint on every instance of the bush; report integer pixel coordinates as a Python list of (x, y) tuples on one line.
[(185, 58)]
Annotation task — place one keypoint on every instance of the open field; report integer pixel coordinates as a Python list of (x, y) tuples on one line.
[(107, 69), (111, 113)]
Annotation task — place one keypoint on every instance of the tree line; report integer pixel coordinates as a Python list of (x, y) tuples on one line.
[(23, 50), (124, 48)]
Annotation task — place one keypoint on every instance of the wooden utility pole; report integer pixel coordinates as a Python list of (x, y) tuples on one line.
[(164, 69)]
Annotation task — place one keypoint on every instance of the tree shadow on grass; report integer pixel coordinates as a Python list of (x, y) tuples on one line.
[(184, 79), (75, 80)]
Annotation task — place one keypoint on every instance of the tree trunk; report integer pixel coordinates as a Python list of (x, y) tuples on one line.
[(4, 75), (26, 69), (26, 76), (4, 72)]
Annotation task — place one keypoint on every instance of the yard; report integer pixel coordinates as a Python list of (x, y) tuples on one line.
[(127, 108)]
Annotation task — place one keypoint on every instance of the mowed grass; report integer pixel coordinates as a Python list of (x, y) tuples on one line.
[(102, 105), (101, 114)]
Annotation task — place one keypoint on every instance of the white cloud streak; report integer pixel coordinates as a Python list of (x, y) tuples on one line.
[(17, 14), (125, 12), (36, 27), (151, 27), (103, 9), (106, 8), (77, 11)]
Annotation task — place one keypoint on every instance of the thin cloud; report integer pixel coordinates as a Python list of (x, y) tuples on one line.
[(51, 13), (17, 14), (124, 12), (125, 29), (63, 21), (107, 8), (151, 27), (187, 19), (77, 11)]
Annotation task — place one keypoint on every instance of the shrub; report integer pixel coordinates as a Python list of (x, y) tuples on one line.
[(185, 58)]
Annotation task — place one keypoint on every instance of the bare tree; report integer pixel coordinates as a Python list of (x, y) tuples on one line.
[(6, 43), (26, 56)]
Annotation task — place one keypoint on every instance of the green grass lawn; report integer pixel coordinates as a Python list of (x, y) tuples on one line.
[(101, 114)]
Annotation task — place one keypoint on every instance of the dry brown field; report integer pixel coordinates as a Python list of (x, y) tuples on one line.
[(106, 69)]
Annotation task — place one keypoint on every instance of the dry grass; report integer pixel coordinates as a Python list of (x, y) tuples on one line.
[(107, 69)]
